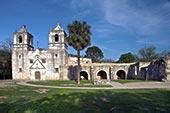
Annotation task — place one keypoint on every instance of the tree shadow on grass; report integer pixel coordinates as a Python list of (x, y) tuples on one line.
[(98, 101)]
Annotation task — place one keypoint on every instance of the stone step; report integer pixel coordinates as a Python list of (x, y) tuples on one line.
[(101, 82), (168, 72), (115, 84)]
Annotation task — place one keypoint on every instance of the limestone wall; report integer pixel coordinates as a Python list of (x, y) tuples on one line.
[(156, 70), (168, 67), (73, 61)]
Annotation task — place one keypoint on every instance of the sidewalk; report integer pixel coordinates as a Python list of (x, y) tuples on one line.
[(115, 85)]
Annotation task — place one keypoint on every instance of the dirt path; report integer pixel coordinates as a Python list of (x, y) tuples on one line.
[(135, 85)]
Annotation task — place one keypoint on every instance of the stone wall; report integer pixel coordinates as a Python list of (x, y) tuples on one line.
[(168, 67), (156, 70), (138, 70)]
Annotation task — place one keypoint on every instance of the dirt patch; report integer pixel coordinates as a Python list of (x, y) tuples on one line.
[(7, 83), (3, 97), (41, 90)]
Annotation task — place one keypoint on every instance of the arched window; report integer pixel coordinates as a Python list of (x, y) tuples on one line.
[(19, 56), (56, 38), (20, 39)]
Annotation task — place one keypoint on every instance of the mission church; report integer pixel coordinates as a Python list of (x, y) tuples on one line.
[(51, 64), (54, 63)]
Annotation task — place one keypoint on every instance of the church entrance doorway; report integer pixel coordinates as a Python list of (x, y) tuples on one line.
[(37, 75)]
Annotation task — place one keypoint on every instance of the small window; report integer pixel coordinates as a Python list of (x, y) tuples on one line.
[(20, 69), (31, 61), (56, 38), (56, 70), (56, 55), (20, 39), (37, 56), (43, 61), (19, 56)]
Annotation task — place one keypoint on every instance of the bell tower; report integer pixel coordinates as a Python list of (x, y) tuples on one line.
[(57, 38), (23, 40), (22, 44), (57, 46)]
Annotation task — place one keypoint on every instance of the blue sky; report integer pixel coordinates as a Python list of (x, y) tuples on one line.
[(118, 26)]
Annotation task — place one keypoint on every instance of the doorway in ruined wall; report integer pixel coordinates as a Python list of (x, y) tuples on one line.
[(83, 75), (102, 74), (37, 75), (121, 74)]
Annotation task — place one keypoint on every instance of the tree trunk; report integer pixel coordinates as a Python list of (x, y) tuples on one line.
[(78, 67)]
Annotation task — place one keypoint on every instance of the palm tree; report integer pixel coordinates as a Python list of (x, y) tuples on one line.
[(79, 39)]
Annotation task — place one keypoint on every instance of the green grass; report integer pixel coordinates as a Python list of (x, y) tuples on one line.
[(130, 81), (67, 83), (22, 99), (53, 82)]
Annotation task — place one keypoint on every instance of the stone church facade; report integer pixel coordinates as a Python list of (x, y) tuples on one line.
[(54, 63)]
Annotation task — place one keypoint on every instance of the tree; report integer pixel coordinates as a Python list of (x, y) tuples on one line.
[(6, 46), (148, 54), (5, 58), (79, 38), (164, 53), (94, 53), (127, 58)]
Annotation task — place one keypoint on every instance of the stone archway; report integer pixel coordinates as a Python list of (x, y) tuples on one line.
[(37, 75), (102, 74), (121, 74), (83, 75)]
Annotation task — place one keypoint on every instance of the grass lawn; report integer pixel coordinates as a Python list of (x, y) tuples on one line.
[(66, 83), (129, 81), (22, 99)]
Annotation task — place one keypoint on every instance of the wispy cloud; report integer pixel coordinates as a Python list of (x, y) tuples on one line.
[(140, 17)]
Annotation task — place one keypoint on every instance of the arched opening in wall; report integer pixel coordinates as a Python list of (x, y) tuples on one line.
[(102, 74), (56, 38), (20, 39), (121, 74), (83, 75), (37, 75)]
